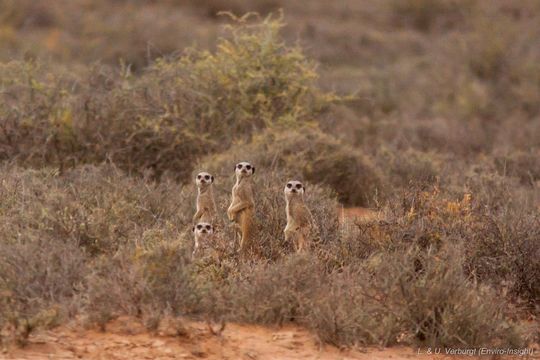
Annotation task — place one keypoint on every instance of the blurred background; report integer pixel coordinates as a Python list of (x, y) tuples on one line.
[(451, 77)]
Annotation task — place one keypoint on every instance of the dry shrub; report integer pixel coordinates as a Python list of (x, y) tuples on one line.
[(495, 233), (272, 293), (97, 209), (26, 13), (138, 282), (506, 235), (40, 280), (411, 276), (78, 31), (212, 8), (180, 109), (409, 167), (307, 154), (427, 14), (523, 165), (436, 300), (387, 301), (384, 300)]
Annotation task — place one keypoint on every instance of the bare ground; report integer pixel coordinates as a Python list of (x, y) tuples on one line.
[(128, 339)]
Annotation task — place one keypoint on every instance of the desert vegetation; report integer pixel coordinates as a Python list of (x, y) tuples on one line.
[(427, 111)]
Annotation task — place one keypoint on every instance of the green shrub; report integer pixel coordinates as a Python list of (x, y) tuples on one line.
[(178, 110)]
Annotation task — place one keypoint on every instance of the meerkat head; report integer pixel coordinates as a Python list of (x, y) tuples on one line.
[(204, 179), (203, 229), (244, 169), (294, 188)]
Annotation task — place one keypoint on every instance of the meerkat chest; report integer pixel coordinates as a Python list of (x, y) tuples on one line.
[(294, 210), (205, 200), (243, 192)]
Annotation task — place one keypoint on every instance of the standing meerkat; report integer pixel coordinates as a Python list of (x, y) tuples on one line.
[(242, 208), (203, 233), (206, 205), (299, 218)]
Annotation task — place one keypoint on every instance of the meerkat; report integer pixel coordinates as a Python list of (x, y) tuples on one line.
[(206, 204), (241, 210), (203, 233), (299, 218)]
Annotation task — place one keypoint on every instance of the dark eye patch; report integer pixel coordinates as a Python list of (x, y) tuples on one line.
[(298, 186), (239, 166), (199, 177), (208, 227), (248, 167), (207, 177), (199, 227), (289, 185)]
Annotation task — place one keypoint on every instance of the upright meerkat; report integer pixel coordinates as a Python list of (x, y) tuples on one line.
[(242, 208), (206, 205), (203, 233), (299, 218)]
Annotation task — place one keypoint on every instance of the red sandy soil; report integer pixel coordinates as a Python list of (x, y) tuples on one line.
[(128, 339)]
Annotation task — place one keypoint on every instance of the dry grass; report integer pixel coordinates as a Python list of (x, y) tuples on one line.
[(117, 243), (441, 133)]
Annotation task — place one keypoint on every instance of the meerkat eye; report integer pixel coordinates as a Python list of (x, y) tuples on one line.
[(248, 167), (298, 186), (206, 177), (208, 227), (199, 227), (239, 166), (199, 177), (289, 185)]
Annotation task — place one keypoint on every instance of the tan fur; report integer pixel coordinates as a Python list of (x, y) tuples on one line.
[(206, 204), (203, 233), (242, 208), (299, 218)]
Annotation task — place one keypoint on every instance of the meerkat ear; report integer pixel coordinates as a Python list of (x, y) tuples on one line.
[(252, 169), (193, 228), (212, 177), (304, 187)]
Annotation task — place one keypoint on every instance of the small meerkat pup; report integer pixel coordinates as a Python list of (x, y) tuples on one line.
[(206, 205), (203, 233), (241, 210), (299, 218)]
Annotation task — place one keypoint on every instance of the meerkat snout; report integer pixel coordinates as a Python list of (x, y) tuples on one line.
[(203, 233), (244, 169), (203, 228), (294, 187), (204, 178)]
